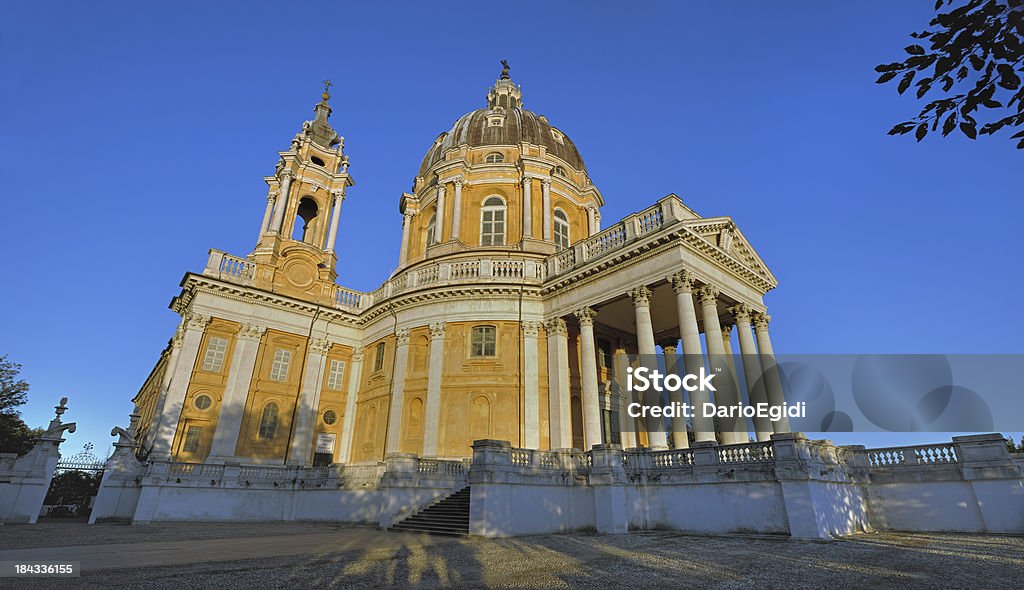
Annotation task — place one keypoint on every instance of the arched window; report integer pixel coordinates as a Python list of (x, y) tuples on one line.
[(268, 422), (304, 216), (561, 229), (494, 158), (483, 341), (431, 224), (492, 222), (559, 171)]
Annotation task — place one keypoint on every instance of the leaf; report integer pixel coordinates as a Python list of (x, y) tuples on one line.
[(886, 77), (976, 62), (1020, 145), (902, 128), (949, 125), (969, 130), (922, 130), (914, 49), (888, 67), (961, 73), (1016, 135), (992, 104), (905, 82), (1007, 77), (922, 90)]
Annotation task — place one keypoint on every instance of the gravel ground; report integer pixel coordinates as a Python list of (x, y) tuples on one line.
[(646, 560)]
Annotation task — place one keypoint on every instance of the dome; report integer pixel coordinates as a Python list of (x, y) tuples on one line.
[(503, 125)]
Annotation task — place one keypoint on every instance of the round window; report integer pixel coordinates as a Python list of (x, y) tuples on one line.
[(330, 417), (203, 402)]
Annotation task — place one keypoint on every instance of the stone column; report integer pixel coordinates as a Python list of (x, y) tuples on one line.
[(679, 438), (527, 207), (355, 371), (627, 425), (559, 407), (597, 220), (236, 393), (641, 296), (590, 221), (435, 375), (439, 221), (397, 390), (265, 226), (588, 368), (772, 380), (300, 451), (282, 200), (403, 253), (545, 185), (752, 369), (729, 428), (531, 385), (195, 324), (457, 208), (339, 198), (693, 353)]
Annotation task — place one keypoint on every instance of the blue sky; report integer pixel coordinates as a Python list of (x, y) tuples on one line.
[(135, 137)]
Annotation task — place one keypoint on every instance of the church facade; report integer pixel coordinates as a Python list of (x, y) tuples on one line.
[(512, 313)]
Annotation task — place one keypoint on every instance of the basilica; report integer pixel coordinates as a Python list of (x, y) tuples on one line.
[(512, 313), (486, 387)]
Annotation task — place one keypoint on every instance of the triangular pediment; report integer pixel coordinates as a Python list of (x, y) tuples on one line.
[(723, 234)]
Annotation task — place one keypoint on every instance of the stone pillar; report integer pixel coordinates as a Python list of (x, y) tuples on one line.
[(679, 437), (559, 407), (348, 426), (590, 221), (752, 369), (527, 207), (339, 198), (531, 385), (627, 425), (693, 354), (641, 296), (435, 375), (398, 390), (772, 380), (457, 208), (236, 393), (282, 200), (195, 325), (300, 451), (729, 428), (265, 226), (588, 368), (597, 220), (545, 185), (439, 221), (403, 253)]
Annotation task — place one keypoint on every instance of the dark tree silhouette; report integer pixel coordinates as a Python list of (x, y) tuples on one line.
[(976, 46)]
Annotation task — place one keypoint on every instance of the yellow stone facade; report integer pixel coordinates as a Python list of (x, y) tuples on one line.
[(473, 337)]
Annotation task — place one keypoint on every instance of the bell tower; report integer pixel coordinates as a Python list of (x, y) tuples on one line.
[(295, 252)]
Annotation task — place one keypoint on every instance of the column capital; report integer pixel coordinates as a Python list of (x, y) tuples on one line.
[(338, 194), (271, 197), (437, 329), (402, 336), (532, 329), (178, 338), (287, 175), (641, 296), (585, 315), (741, 312), (195, 321), (357, 354), (727, 331), (667, 343), (458, 181), (708, 294), (556, 326), (251, 332), (527, 181), (545, 183), (682, 281), (320, 345), (440, 187), (761, 321)]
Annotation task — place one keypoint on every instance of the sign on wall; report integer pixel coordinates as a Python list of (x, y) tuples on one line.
[(325, 442)]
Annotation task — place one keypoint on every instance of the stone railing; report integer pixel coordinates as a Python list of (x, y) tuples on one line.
[(915, 455), (665, 212), (224, 266), (249, 476), (759, 452)]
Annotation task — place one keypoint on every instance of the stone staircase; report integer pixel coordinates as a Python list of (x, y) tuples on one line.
[(448, 516)]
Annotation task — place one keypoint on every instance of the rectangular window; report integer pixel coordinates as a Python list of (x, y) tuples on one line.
[(192, 437), (334, 376), (279, 370), (492, 231), (483, 341), (378, 358), (215, 350)]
